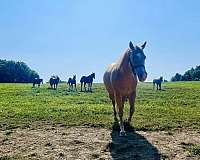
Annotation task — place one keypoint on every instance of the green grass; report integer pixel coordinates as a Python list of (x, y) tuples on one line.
[(175, 107), (194, 149)]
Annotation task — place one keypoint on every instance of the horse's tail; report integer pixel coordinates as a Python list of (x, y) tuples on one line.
[(82, 80), (68, 81)]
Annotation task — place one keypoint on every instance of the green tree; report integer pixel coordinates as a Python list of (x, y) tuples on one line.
[(17, 72)]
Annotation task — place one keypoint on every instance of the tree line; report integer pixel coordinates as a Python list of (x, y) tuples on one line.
[(16, 72), (191, 75)]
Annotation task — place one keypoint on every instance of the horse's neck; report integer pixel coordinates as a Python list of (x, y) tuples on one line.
[(124, 62)]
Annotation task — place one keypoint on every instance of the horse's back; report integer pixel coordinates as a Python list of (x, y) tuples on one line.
[(83, 79), (107, 79)]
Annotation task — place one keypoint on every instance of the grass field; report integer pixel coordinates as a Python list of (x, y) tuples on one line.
[(176, 106)]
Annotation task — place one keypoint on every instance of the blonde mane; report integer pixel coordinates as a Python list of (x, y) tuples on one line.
[(124, 59)]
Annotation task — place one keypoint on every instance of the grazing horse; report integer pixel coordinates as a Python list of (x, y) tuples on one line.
[(87, 80), (158, 83), (37, 81), (72, 81), (120, 80), (54, 82)]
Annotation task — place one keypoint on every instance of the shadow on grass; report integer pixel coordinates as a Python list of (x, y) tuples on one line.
[(133, 146)]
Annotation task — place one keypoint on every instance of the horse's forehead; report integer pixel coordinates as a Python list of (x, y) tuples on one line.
[(138, 50)]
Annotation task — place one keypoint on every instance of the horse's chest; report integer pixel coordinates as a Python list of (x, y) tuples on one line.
[(125, 86)]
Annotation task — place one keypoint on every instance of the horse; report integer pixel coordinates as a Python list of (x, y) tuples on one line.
[(72, 81), (37, 81), (121, 80), (158, 83), (87, 80), (54, 82)]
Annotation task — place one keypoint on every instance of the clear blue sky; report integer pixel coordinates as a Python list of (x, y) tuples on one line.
[(67, 37)]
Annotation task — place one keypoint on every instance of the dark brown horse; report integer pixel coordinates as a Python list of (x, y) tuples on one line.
[(158, 83), (37, 81), (71, 82), (87, 80), (54, 80), (120, 80)]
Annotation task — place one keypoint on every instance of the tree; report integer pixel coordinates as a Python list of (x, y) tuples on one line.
[(17, 72), (177, 77), (189, 75)]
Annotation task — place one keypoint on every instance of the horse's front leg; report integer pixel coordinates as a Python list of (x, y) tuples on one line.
[(90, 87), (120, 107), (132, 106)]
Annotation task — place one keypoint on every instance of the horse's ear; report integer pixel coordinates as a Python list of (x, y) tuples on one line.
[(131, 46), (143, 46)]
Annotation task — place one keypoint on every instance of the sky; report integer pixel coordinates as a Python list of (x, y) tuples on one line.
[(79, 37)]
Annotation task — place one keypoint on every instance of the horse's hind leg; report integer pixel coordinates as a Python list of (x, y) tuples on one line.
[(132, 107), (120, 107), (91, 86), (114, 110), (69, 86), (84, 86), (81, 86)]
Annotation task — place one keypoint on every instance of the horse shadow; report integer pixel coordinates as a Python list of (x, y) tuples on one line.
[(132, 146)]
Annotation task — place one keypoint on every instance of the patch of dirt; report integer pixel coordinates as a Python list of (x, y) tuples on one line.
[(60, 142)]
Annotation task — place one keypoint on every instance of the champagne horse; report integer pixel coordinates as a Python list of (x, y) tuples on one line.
[(120, 80)]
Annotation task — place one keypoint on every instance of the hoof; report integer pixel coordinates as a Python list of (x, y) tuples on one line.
[(122, 134), (115, 119), (127, 123)]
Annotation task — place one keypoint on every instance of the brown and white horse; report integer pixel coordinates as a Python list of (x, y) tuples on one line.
[(120, 80)]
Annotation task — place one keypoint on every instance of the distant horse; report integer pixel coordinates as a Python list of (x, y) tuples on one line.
[(54, 80), (37, 81), (71, 82), (120, 80), (87, 80), (158, 83)]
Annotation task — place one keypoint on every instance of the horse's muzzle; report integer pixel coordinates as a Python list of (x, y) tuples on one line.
[(142, 77), (141, 73)]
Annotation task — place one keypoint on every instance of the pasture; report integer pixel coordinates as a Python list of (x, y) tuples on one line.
[(167, 123)]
